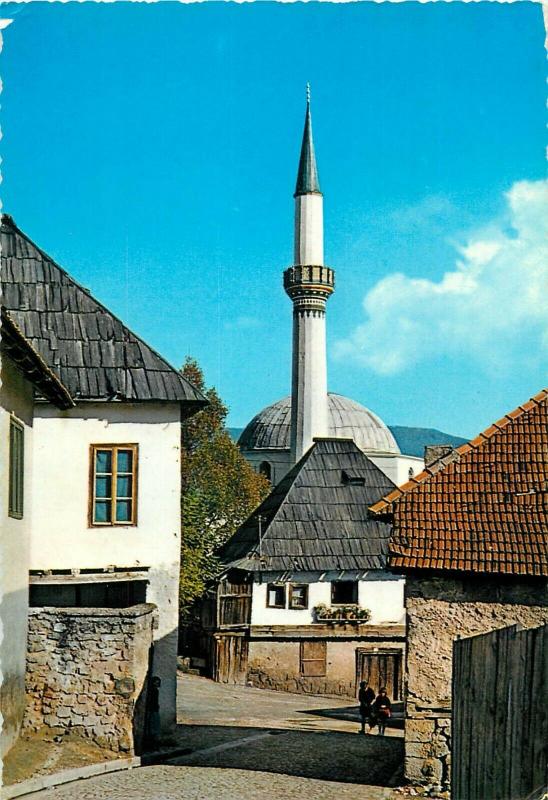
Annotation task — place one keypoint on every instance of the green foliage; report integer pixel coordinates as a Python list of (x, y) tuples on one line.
[(219, 490)]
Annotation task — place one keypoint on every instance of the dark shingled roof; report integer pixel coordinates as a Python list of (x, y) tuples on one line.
[(482, 507), (316, 518), (88, 349), (31, 365)]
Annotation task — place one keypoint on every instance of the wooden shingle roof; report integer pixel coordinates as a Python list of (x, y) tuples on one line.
[(92, 353), (483, 508), (316, 518), (31, 364)]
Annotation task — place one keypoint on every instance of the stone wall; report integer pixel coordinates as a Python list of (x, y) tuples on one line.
[(87, 671), (276, 665), (440, 610)]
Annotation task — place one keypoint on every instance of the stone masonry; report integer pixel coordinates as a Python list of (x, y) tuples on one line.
[(439, 610), (87, 671), (276, 665)]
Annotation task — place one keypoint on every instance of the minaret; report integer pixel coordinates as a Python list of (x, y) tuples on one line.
[(308, 283)]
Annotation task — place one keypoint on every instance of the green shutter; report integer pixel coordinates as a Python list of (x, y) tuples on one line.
[(16, 469)]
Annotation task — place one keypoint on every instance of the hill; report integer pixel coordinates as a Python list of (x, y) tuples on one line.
[(411, 441)]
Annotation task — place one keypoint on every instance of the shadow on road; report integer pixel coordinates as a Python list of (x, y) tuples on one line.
[(352, 714), (322, 754)]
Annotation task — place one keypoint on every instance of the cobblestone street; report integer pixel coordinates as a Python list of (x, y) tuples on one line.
[(239, 742)]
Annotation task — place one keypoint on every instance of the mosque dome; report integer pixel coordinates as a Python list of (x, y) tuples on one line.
[(270, 428)]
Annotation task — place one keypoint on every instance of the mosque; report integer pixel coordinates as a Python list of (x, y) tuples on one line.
[(279, 435)]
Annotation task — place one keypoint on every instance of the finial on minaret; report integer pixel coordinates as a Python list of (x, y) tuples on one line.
[(308, 94)]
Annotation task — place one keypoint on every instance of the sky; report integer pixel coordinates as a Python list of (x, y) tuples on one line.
[(152, 150)]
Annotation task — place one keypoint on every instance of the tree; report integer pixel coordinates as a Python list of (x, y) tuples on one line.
[(219, 490)]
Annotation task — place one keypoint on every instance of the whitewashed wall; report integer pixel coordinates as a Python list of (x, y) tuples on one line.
[(396, 467), (279, 460), (61, 538), (382, 594), (16, 399)]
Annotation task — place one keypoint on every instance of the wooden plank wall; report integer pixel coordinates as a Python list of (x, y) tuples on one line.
[(500, 715), (230, 658), (234, 602)]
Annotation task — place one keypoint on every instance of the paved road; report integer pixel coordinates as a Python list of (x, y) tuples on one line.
[(239, 743)]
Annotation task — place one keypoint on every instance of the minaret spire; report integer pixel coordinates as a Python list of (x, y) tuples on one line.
[(307, 175), (308, 283)]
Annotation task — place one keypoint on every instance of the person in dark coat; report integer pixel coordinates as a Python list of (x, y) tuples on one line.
[(366, 698), (382, 708)]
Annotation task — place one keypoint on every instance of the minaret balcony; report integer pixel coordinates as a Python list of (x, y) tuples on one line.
[(309, 279)]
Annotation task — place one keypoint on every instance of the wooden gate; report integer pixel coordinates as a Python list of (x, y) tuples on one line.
[(230, 658), (499, 720), (380, 669)]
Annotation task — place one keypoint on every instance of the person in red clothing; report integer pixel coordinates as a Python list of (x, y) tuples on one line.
[(382, 708)]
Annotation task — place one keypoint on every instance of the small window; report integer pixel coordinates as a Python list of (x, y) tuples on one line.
[(114, 484), (350, 478), (343, 592), (275, 595), (266, 469), (298, 595), (411, 472), (16, 469), (313, 659)]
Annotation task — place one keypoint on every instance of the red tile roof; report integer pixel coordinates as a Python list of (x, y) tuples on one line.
[(483, 507)]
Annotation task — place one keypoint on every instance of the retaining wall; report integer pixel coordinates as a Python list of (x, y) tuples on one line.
[(87, 673)]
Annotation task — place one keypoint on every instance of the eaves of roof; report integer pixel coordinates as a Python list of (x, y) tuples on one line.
[(384, 505), (31, 364)]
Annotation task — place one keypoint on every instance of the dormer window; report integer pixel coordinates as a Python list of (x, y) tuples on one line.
[(351, 478)]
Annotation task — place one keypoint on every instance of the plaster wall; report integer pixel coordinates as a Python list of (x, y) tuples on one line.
[(396, 467), (308, 250), (279, 461), (438, 611), (16, 398), (309, 413), (62, 539), (382, 594), (276, 665)]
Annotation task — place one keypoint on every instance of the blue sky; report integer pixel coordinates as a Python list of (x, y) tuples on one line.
[(152, 149)]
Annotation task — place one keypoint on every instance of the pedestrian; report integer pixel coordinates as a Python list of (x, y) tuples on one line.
[(366, 698), (383, 709)]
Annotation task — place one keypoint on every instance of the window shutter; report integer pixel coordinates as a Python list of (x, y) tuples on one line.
[(313, 659)]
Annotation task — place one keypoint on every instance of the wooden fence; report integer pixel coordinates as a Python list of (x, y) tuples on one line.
[(500, 715)]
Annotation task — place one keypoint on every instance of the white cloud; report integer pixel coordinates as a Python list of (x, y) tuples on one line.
[(492, 305), (242, 323)]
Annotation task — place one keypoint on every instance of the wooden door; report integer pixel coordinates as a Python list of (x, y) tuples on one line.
[(380, 669), (231, 659)]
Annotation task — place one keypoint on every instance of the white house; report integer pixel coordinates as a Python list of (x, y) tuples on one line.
[(306, 602), (101, 524), (22, 372)]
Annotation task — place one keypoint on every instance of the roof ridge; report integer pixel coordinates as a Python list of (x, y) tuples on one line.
[(479, 440), (8, 220)]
